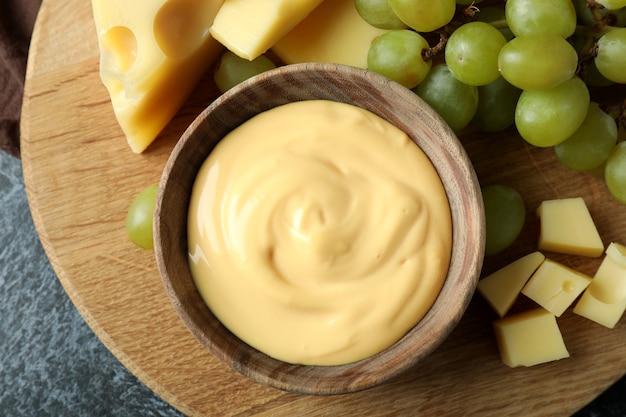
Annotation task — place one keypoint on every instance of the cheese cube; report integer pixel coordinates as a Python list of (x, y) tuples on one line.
[(529, 338), (334, 32), (609, 283), (617, 253), (602, 313), (567, 227), (501, 288), (604, 301), (250, 27), (152, 55), (555, 287)]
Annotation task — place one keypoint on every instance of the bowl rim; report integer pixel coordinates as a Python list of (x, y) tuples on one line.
[(468, 225)]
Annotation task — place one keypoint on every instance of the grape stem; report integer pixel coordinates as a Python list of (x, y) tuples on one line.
[(430, 53), (588, 53), (589, 48), (603, 23), (471, 10), (595, 11)]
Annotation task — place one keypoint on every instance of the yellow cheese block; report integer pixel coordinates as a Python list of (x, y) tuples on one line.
[(555, 287), (334, 32), (529, 338), (250, 27), (608, 315), (501, 288), (152, 55), (567, 227), (609, 283)]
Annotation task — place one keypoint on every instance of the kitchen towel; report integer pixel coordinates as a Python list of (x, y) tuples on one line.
[(17, 18)]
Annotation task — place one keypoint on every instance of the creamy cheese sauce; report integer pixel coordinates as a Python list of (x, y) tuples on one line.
[(319, 233)]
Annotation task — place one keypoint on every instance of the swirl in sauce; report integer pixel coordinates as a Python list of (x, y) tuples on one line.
[(319, 233)]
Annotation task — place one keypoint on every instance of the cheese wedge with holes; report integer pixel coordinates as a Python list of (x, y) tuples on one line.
[(334, 32), (607, 315), (604, 301), (250, 27), (152, 55), (609, 282)]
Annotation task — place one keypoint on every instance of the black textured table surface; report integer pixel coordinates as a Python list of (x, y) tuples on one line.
[(51, 363)]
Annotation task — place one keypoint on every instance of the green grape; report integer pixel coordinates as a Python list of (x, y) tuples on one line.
[(613, 17), (496, 106), (455, 102), (472, 53), (505, 214), (232, 69), (378, 13), (611, 58), (140, 216), (424, 15), (526, 17), (590, 146), (397, 54), (612, 4), (615, 172), (548, 117), (537, 62)]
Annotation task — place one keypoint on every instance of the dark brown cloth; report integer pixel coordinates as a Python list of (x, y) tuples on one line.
[(17, 18)]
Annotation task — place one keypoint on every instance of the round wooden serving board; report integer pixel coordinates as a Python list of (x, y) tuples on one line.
[(81, 176)]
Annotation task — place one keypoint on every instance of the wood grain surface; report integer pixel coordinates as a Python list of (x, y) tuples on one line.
[(81, 176)]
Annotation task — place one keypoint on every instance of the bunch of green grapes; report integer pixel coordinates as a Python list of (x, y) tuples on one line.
[(525, 64)]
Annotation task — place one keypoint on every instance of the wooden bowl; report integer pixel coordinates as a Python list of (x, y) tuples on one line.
[(385, 98)]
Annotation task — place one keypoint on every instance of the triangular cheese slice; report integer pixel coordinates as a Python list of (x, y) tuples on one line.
[(501, 288), (250, 27)]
